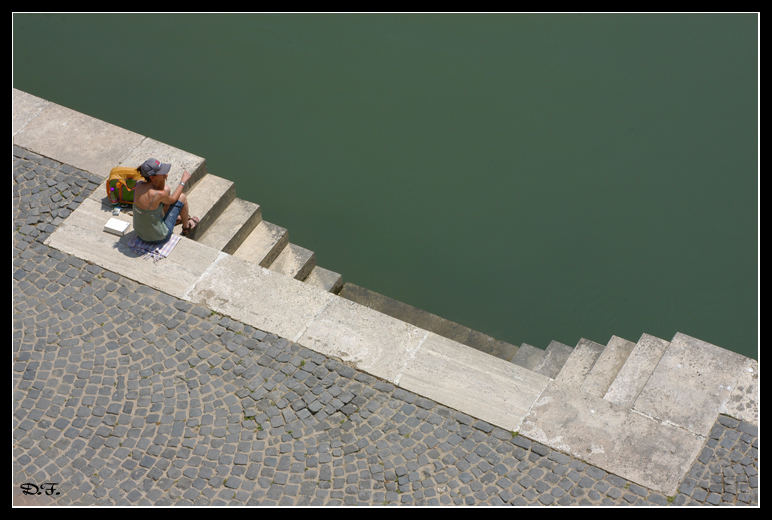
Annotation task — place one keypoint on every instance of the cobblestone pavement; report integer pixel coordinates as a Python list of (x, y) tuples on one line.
[(124, 395)]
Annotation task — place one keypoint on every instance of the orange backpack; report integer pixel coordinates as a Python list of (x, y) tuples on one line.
[(120, 184)]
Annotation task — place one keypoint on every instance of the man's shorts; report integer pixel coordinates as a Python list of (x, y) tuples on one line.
[(170, 219)]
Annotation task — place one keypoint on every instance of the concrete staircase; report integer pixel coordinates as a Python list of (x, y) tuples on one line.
[(547, 362), (616, 372), (428, 321), (660, 397), (590, 367), (236, 226)]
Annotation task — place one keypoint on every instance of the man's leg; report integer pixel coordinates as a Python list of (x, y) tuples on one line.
[(167, 207), (179, 212), (188, 222), (184, 213), (170, 218)]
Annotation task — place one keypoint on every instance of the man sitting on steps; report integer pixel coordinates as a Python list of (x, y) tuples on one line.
[(156, 209)]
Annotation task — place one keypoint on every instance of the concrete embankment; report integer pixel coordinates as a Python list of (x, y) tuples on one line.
[(642, 410)]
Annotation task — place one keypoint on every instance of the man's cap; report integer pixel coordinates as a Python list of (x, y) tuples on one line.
[(154, 167)]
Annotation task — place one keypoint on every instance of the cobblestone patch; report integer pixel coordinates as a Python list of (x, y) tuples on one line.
[(124, 395), (726, 471)]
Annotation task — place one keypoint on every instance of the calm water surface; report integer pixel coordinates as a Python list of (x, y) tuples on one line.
[(534, 177)]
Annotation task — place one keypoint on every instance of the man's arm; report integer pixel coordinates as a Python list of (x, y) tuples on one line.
[(172, 197), (175, 196)]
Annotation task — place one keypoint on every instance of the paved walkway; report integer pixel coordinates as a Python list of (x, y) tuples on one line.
[(125, 395)]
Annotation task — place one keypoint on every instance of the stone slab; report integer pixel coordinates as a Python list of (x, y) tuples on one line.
[(325, 279), (691, 383), (367, 339), (428, 321), (614, 438), (579, 363), (232, 226), (294, 261), (555, 356), (179, 159), (81, 235), (607, 366), (207, 200), (743, 402), (263, 244), (26, 107), (479, 384), (528, 356), (77, 139), (635, 372), (258, 296)]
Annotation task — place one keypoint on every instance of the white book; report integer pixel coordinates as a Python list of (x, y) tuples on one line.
[(116, 226)]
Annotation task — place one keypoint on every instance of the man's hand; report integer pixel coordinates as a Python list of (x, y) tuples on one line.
[(185, 176)]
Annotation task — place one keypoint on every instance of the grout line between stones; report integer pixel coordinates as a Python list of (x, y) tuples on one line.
[(305, 327), (410, 357), (207, 271)]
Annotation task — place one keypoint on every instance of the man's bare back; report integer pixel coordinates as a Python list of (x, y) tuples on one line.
[(147, 198)]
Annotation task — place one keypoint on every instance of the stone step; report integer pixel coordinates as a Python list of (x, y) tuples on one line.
[(579, 364), (263, 244), (326, 279), (294, 261), (180, 160), (235, 223), (607, 366), (428, 321), (81, 235), (618, 440), (555, 356), (206, 200), (637, 369), (691, 383), (547, 362), (529, 357)]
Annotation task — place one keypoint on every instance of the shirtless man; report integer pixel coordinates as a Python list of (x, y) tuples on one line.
[(156, 209)]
